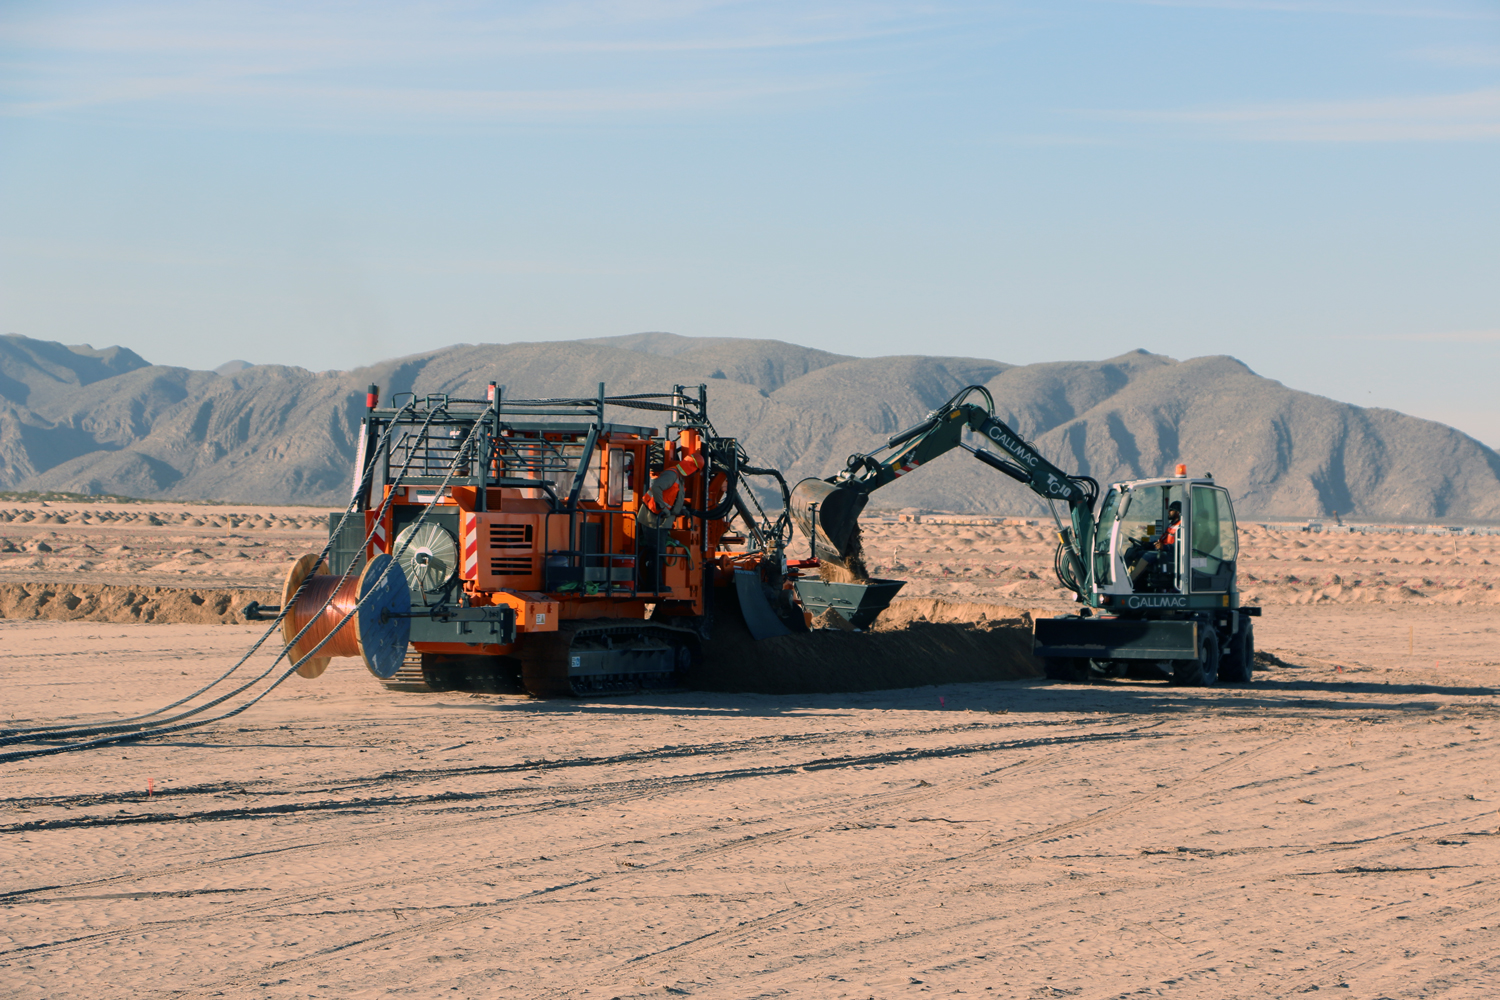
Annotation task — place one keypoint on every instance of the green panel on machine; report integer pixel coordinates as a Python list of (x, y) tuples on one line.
[(493, 624), (1115, 639), (348, 547), (859, 603)]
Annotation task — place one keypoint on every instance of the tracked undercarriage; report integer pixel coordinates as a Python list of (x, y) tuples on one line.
[(594, 658)]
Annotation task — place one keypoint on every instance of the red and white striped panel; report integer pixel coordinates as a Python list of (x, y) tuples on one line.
[(904, 469), (471, 552), (379, 543)]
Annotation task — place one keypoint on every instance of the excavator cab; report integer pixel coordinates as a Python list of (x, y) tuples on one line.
[(1149, 525), (1139, 550)]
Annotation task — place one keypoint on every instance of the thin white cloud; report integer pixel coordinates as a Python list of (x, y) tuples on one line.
[(299, 100), (1430, 337), (1051, 139), (353, 258), (417, 32), (1445, 12), (1459, 55), (1443, 117), (1448, 337), (448, 60)]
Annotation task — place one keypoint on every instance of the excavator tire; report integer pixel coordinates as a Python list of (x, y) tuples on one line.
[(1066, 669), (1203, 671), (1239, 658)]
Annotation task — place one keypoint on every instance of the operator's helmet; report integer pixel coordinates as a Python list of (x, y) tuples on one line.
[(1175, 507)]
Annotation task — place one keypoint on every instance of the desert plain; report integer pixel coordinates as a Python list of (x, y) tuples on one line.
[(1331, 827)]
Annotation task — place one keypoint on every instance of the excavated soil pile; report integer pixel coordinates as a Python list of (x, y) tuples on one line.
[(103, 603), (914, 643)]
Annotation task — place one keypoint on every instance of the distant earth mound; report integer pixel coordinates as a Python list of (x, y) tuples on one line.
[(108, 421)]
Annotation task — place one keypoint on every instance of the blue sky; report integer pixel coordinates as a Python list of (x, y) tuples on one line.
[(1310, 187)]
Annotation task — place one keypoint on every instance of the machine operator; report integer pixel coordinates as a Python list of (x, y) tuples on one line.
[(1162, 549), (663, 502)]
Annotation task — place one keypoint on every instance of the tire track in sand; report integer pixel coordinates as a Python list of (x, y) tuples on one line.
[(525, 767), (718, 939), (559, 893), (637, 789), (556, 893), (601, 793)]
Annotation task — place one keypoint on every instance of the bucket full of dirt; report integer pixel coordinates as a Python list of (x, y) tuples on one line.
[(859, 603)]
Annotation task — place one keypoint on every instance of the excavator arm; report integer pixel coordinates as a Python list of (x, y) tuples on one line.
[(827, 510)]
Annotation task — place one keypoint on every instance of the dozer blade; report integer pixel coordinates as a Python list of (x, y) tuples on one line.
[(760, 617), (836, 516)]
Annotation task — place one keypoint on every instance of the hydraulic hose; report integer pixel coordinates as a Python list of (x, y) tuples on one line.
[(1065, 565), (731, 470)]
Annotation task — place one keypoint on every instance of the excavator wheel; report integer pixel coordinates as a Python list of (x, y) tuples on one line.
[(1204, 671), (1066, 669), (1239, 659), (1109, 668)]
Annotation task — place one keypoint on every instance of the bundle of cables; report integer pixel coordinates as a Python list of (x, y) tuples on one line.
[(319, 630)]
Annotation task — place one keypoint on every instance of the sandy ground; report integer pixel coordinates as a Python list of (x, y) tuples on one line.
[(1013, 565), (1332, 827), (245, 546), (190, 545)]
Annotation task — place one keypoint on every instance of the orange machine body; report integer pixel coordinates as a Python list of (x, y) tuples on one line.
[(545, 517), (504, 548)]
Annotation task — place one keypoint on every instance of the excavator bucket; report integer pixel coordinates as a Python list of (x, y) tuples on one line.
[(828, 514)]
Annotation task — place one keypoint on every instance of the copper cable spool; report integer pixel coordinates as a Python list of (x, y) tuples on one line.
[(377, 633)]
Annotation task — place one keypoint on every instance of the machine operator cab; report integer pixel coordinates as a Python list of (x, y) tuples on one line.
[(1166, 536)]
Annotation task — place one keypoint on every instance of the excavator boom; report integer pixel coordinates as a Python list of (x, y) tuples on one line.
[(827, 510)]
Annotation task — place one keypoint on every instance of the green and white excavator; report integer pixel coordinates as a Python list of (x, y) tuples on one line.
[(1153, 564)]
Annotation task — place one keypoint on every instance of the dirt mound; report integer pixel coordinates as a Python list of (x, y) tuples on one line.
[(923, 642), (103, 603), (916, 642), (832, 619), (905, 610)]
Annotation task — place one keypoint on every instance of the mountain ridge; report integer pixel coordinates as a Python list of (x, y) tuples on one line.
[(108, 421)]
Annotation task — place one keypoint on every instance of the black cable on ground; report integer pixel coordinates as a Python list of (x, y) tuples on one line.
[(65, 729), (146, 732)]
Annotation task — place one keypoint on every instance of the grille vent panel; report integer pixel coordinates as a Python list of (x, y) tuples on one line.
[(511, 536)]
